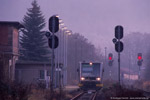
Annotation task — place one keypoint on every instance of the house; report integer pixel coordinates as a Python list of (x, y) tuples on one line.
[(36, 72), (9, 37), (128, 76)]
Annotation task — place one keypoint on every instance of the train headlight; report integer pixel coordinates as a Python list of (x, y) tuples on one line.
[(91, 63), (82, 78), (98, 79)]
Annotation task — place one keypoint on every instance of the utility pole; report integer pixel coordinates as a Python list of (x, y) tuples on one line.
[(105, 63)]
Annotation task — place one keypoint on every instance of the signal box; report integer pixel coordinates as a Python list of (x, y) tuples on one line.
[(9, 38)]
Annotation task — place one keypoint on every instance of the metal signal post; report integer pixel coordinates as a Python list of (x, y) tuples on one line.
[(119, 64), (53, 27), (118, 45), (110, 63), (139, 62)]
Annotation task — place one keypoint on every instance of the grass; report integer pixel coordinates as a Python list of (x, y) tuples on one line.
[(114, 92)]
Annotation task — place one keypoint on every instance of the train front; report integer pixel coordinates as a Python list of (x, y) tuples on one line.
[(90, 76)]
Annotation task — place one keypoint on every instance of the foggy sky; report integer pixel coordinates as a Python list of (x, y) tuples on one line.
[(95, 19)]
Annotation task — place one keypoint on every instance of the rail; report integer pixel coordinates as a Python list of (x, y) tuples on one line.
[(77, 96), (85, 96)]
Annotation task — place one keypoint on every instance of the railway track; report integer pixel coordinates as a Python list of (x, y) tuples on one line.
[(145, 93), (86, 96)]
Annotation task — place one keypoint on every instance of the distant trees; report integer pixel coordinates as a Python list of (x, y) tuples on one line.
[(32, 40), (79, 50), (135, 43), (147, 58), (147, 70)]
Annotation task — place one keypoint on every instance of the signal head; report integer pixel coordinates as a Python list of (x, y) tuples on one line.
[(47, 34), (110, 58), (139, 56)]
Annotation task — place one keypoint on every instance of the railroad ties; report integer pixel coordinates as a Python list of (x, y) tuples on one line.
[(86, 96)]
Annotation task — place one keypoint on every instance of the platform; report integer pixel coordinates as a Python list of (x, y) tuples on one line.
[(71, 88)]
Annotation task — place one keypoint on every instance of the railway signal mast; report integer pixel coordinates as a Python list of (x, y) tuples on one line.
[(110, 62), (110, 59), (53, 43), (139, 62), (118, 45)]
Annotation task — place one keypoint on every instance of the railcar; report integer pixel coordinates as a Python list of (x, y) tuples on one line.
[(90, 76)]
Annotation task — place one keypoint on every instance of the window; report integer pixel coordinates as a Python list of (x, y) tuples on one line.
[(48, 73), (41, 74)]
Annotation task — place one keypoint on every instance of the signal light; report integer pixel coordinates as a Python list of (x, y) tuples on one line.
[(119, 32), (54, 24), (119, 46), (47, 34), (110, 55), (56, 41), (139, 58), (110, 58)]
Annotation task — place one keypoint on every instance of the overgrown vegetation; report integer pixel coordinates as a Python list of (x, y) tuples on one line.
[(115, 92), (14, 91), (20, 91)]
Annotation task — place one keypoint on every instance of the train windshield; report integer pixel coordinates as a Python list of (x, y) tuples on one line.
[(90, 70)]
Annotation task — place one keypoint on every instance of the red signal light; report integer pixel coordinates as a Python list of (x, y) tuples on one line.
[(110, 58), (139, 57)]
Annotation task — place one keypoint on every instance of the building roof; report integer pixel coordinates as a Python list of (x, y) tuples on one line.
[(12, 23), (127, 70), (31, 62)]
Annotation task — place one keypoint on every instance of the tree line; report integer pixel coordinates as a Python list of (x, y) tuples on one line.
[(135, 43)]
